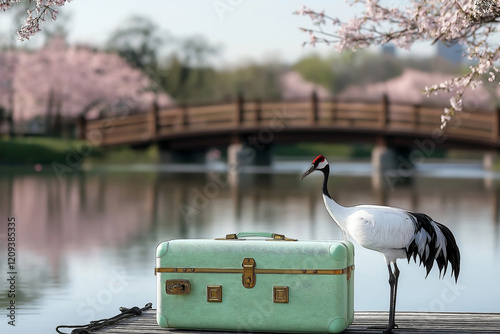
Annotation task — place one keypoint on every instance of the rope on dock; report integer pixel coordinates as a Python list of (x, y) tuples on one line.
[(98, 324)]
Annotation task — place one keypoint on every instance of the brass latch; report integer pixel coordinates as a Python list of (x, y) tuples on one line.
[(178, 287), (248, 277)]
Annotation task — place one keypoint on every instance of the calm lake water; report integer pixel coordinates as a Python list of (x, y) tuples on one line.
[(86, 243)]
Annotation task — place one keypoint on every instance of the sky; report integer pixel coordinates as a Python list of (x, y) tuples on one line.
[(246, 30), (256, 30)]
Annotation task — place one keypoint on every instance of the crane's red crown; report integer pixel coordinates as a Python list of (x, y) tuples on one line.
[(318, 159)]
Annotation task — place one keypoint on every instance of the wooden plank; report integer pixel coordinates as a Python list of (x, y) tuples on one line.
[(223, 117), (360, 115), (126, 120), (305, 106), (469, 133), (364, 322), (360, 106), (223, 108)]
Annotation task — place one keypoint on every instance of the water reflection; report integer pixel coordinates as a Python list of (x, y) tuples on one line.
[(77, 235)]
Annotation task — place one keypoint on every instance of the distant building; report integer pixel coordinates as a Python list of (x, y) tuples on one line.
[(451, 52), (389, 49)]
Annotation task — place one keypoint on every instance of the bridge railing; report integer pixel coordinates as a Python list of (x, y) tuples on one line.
[(379, 116)]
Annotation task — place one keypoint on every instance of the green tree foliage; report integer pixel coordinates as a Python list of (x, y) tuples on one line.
[(337, 71), (205, 84), (138, 41), (187, 75), (319, 70), (253, 80), (187, 83)]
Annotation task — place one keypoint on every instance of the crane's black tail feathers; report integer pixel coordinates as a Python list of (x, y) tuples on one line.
[(433, 241)]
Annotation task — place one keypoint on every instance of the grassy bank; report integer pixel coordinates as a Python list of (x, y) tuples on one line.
[(43, 150), (73, 153)]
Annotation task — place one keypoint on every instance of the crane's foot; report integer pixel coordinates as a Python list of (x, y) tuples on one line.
[(385, 328), (389, 329)]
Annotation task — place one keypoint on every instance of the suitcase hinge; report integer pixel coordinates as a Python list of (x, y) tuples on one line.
[(248, 277)]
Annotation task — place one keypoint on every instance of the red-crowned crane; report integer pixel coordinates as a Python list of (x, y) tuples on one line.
[(394, 232)]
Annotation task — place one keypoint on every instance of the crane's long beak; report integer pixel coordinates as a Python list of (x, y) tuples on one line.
[(309, 171)]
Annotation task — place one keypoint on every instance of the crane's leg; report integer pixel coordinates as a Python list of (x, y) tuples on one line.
[(393, 282), (396, 276)]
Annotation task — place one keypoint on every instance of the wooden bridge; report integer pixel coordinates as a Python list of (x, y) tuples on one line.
[(259, 124)]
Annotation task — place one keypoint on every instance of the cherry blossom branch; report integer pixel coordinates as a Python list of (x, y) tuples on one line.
[(469, 22), (36, 17)]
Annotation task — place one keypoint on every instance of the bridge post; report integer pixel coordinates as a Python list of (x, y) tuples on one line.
[(240, 103), (258, 111), (314, 108), (153, 120), (495, 134), (384, 111), (416, 115), (185, 116), (489, 159), (396, 158), (382, 156), (81, 126), (249, 151), (333, 109)]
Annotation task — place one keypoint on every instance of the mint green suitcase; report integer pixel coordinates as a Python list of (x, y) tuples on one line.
[(277, 284)]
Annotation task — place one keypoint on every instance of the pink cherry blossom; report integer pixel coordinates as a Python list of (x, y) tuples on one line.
[(69, 80), (472, 23)]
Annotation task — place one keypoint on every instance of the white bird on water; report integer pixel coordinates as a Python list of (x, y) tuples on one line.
[(394, 232)]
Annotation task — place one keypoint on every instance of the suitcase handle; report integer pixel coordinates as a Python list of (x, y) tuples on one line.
[(273, 236)]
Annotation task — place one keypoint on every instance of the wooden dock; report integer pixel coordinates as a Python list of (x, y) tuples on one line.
[(364, 322)]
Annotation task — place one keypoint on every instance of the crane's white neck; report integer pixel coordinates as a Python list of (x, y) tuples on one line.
[(338, 212)]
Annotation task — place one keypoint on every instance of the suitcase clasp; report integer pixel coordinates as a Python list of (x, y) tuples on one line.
[(248, 277), (178, 287)]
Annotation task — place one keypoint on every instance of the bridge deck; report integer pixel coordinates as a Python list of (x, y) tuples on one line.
[(364, 322), (220, 124)]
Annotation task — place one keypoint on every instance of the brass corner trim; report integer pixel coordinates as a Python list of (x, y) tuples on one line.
[(214, 293), (280, 294)]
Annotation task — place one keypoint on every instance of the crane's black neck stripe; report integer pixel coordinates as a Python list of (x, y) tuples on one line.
[(326, 173)]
